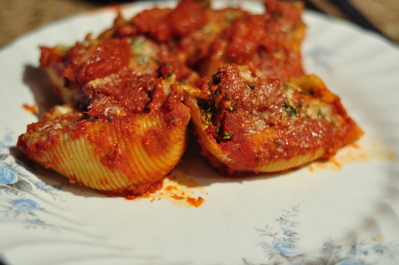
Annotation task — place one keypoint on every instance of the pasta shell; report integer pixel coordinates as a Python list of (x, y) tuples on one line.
[(128, 153), (250, 123)]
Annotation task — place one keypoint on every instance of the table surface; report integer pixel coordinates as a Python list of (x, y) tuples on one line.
[(20, 16)]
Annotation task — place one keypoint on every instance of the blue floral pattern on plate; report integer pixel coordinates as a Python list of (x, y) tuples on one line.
[(284, 247), (18, 185), (321, 57)]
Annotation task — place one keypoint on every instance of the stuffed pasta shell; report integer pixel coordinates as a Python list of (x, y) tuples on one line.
[(132, 134), (205, 39), (251, 123), (270, 41), (70, 68)]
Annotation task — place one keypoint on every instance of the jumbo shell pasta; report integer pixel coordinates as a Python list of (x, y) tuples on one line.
[(251, 123), (131, 134), (129, 153)]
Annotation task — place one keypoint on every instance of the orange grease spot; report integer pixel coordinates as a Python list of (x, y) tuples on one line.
[(378, 238), (180, 190), (31, 108), (334, 161), (169, 188), (363, 150), (174, 196), (195, 202)]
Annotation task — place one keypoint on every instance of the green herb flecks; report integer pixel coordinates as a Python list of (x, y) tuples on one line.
[(291, 111)]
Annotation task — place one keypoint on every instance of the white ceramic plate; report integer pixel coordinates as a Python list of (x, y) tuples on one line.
[(341, 212)]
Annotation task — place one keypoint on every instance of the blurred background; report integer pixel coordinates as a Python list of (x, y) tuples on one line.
[(20, 16)]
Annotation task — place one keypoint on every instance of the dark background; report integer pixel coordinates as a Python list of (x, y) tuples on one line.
[(20, 16)]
